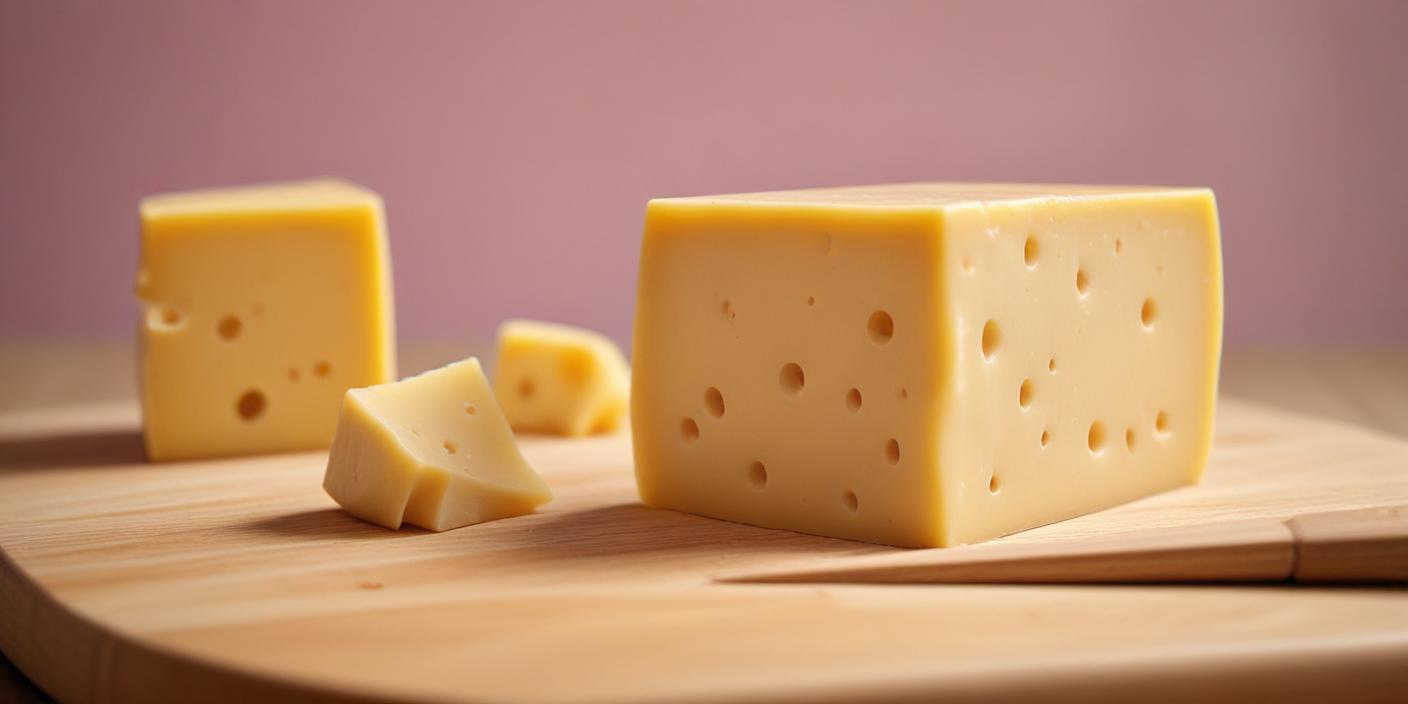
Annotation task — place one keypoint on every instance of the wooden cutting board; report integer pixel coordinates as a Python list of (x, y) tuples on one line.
[(238, 580)]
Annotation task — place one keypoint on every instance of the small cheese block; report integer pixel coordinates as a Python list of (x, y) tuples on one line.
[(925, 364), (560, 380), (263, 305), (433, 450)]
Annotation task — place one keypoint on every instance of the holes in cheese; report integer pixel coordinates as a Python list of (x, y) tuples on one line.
[(251, 404), (562, 380), (792, 379), (947, 430), (758, 475), (714, 402), (229, 327), (235, 285), (408, 452)]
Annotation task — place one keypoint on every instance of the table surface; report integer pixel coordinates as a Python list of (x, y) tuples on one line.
[(1367, 387)]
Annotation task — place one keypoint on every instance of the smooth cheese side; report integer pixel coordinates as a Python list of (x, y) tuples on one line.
[(262, 306), (560, 380), (433, 450), (924, 364)]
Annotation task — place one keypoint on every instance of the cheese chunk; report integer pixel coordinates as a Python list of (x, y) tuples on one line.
[(925, 364), (434, 450), (560, 380), (262, 306)]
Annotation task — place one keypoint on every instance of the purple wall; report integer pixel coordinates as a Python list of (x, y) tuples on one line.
[(516, 143)]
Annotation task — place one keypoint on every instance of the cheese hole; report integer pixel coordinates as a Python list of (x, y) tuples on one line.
[(1045, 438), (1161, 422), (758, 475), (251, 404), (994, 484), (892, 451), (293, 374), (1051, 364), (471, 409), (714, 402), (851, 500), (811, 300), (1029, 252), (1024, 394), (904, 393), (1096, 438), (451, 447), (853, 400), (881, 327), (689, 430), (791, 378), (322, 369), (1147, 312), (1119, 246), (526, 388), (992, 338), (169, 317), (229, 327), (729, 312), (1082, 281), (1129, 439)]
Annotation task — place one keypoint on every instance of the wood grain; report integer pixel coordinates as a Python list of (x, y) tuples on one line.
[(238, 579), (1358, 546)]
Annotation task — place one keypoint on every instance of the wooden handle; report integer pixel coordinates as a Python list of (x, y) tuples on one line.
[(1363, 545)]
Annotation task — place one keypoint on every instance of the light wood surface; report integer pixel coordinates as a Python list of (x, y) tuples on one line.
[(239, 579), (1367, 545)]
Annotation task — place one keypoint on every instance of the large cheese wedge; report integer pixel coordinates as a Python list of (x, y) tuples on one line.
[(560, 380), (433, 450), (925, 364), (263, 304)]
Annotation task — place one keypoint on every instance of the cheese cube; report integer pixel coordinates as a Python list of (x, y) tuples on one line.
[(924, 364), (263, 304), (434, 450), (560, 380)]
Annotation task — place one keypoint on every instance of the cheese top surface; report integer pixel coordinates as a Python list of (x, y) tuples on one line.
[(434, 450), (281, 198), (560, 379), (938, 366), (262, 306), (926, 195)]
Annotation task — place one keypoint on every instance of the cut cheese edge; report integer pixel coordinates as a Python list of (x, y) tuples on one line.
[(433, 450), (925, 364), (561, 380)]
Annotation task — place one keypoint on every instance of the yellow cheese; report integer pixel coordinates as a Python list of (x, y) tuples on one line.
[(925, 364), (263, 304), (559, 379), (434, 450)]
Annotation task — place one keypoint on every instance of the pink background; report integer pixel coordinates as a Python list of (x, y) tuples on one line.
[(516, 143)]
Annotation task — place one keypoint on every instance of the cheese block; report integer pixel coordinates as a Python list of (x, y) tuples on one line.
[(262, 305), (560, 380), (924, 364), (434, 450)]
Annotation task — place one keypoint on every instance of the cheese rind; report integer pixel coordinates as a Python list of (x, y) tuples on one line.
[(433, 450), (560, 380), (924, 364), (262, 305)]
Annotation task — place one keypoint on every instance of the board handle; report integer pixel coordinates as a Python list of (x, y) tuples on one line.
[(1361, 545)]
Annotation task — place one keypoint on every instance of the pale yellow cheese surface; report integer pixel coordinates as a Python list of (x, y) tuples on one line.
[(560, 380), (433, 450), (261, 305), (925, 364)]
